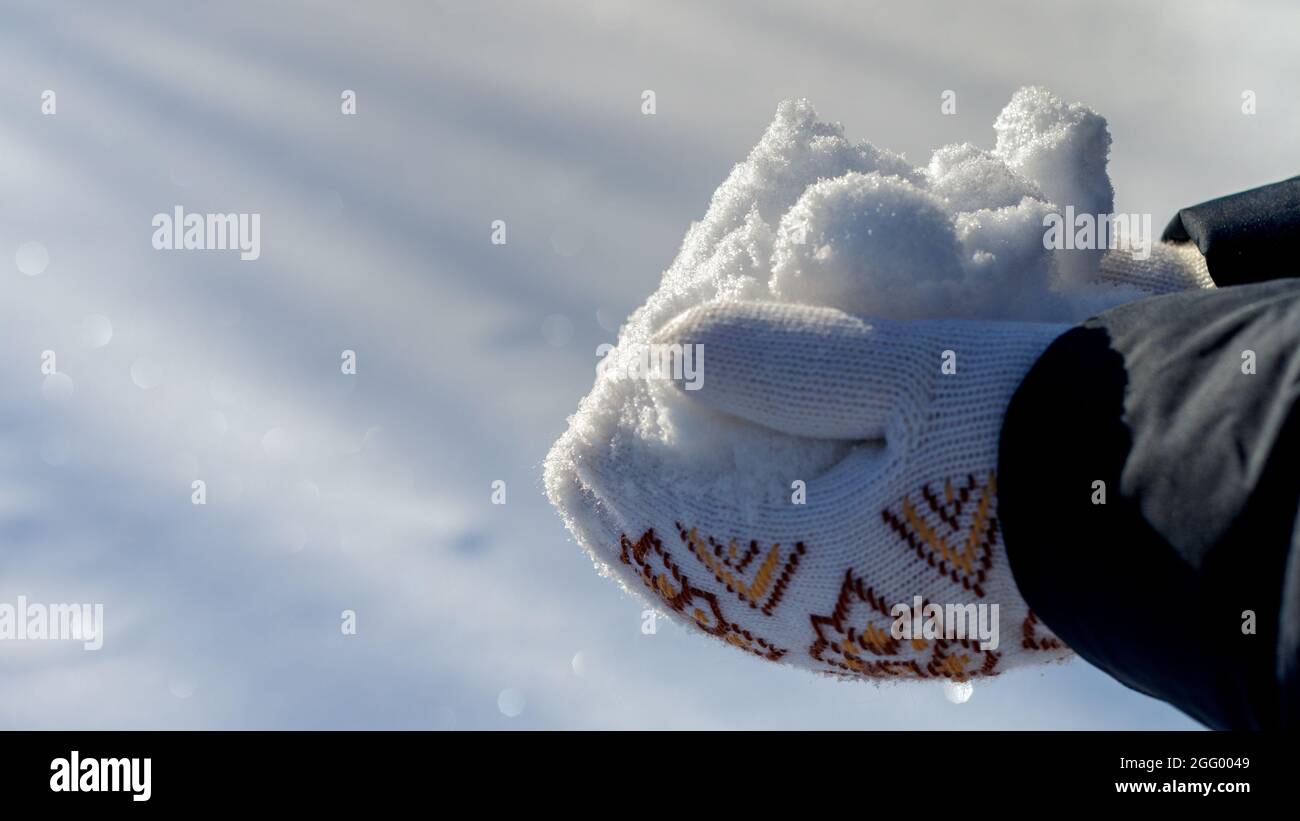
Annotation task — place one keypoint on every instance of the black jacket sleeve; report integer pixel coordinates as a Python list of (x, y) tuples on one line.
[(1185, 583)]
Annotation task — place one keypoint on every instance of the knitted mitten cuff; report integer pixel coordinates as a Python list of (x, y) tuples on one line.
[(1171, 267)]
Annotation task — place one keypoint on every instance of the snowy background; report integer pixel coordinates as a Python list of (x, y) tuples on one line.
[(372, 492)]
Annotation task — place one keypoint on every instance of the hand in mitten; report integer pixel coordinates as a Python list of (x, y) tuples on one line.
[(907, 516)]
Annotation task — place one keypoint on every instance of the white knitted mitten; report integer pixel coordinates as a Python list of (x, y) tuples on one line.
[(907, 515), (1170, 267)]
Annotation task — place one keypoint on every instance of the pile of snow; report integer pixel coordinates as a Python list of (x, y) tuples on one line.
[(810, 217)]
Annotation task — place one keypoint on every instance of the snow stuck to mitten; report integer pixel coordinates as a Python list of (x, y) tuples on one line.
[(810, 217)]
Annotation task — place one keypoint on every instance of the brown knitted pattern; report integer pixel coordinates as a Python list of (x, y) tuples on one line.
[(665, 578), (757, 575), (953, 529), (1030, 639), (855, 640)]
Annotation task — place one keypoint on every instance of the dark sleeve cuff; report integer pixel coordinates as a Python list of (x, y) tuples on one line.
[(1252, 236)]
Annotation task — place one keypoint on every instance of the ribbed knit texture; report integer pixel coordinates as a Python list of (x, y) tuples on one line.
[(1170, 268)]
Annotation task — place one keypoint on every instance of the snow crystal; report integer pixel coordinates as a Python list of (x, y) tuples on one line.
[(867, 244)]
